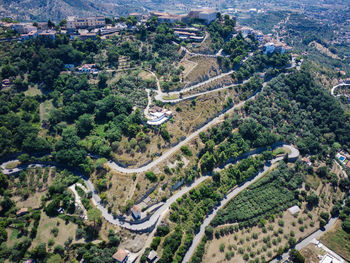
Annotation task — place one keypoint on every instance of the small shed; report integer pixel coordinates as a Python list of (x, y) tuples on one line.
[(152, 257), (22, 211), (136, 212), (294, 209)]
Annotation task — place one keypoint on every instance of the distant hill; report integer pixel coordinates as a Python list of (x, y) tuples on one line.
[(41, 10)]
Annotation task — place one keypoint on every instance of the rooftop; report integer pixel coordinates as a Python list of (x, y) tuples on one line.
[(152, 255), (294, 209), (22, 210), (120, 255), (136, 209)]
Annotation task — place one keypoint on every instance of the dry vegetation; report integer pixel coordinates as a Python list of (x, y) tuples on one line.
[(337, 240), (204, 47), (187, 116), (257, 242), (216, 84), (206, 67)]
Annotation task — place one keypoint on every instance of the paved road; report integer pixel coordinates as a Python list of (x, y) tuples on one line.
[(150, 222), (218, 54), (307, 240), (161, 94), (201, 83), (337, 86), (292, 156), (176, 148), (197, 94)]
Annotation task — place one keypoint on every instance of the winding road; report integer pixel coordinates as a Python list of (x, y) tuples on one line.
[(294, 153), (149, 223), (337, 86), (165, 156)]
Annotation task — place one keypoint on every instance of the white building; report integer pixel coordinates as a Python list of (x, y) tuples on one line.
[(23, 28), (330, 259), (208, 15), (269, 48), (85, 22), (157, 116)]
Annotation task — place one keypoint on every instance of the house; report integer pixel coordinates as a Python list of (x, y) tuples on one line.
[(84, 36), (85, 22), (269, 48), (307, 161), (121, 256), (157, 116), (279, 48), (246, 31), (208, 15), (23, 28), (30, 35), (152, 257), (43, 26), (347, 165), (166, 18), (136, 212), (29, 261), (47, 34), (88, 68), (22, 211)]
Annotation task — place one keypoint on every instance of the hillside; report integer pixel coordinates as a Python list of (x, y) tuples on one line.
[(60, 9)]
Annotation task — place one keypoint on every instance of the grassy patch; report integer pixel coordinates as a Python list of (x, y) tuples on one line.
[(47, 107), (12, 165), (171, 97), (33, 91), (338, 240), (313, 181), (47, 224), (279, 151)]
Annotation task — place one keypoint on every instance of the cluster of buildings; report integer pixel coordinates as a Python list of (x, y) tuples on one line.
[(267, 42), (85, 68), (74, 23), (157, 116), (189, 34), (344, 158), (205, 14), (276, 47), (88, 68), (29, 31), (124, 256), (89, 27)]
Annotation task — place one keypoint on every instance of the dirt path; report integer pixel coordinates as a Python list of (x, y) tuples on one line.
[(41, 112)]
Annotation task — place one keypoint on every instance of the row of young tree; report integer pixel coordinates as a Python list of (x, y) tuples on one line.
[(274, 193)]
